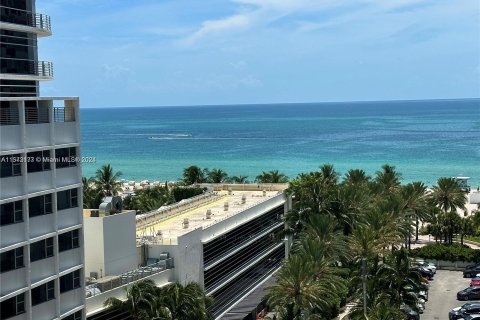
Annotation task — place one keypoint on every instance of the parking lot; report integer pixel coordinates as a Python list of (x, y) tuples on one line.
[(443, 294)]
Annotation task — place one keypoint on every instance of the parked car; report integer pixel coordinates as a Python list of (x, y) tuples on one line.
[(470, 293), (474, 265), (428, 265), (471, 272), (464, 311), (475, 282), (423, 294), (409, 312), (471, 317), (424, 272)]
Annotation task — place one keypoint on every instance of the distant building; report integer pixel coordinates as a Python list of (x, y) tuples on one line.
[(41, 243), (229, 241)]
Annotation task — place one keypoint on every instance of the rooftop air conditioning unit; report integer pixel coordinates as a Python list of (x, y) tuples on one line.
[(208, 215), (264, 192), (110, 205), (244, 199), (225, 206), (229, 191), (185, 223)]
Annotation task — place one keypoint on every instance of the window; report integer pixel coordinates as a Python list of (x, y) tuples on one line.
[(38, 161), (68, 240), (44, 292), (70, 281), (75, 316), (41, 249), (10, 166), (13, 306), (11, 212), (67, 199), (11, 260), (40, 205), (65, 157)]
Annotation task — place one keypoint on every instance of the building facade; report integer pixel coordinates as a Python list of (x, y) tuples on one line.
[(41, 242)]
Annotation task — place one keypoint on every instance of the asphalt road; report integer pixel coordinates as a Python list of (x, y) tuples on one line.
[(442, 296)]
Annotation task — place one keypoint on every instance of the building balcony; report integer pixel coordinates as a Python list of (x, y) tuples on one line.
[(70, 258), (12, 233), (13, 280), (21, 69), (71, 300), (42, 269), (25, 21)]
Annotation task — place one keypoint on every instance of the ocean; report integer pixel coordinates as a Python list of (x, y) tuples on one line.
[(424, 139)]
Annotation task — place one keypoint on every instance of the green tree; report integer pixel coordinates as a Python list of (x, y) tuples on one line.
[(356, 178), (273, 176), (239, 179), (387, 181), (299, 291), (92, 196), (183, 302), (414, 195), (194, 174), (448, 195), (108, 181), (141, 300), (217, 176), (466, 228)]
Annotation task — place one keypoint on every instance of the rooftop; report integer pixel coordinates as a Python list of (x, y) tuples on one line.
[(168, 230)]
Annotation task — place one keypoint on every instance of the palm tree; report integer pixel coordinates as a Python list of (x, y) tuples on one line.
[(448, 195), (300, 289), (107, 181), (414, 195), (92, 197), (141, 300), (356, 177), (183, 302), (387, 181), (217, 176), (193, 174), (239, 179), (273, 176)]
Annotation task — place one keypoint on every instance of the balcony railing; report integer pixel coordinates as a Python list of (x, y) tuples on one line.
[(62, 114), (26, 18), (9, 115), (27, 67)]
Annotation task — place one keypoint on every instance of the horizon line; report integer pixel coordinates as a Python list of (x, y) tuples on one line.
[(280, 103)]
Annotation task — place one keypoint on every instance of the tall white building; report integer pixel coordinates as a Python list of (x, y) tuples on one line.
[(41, 243)]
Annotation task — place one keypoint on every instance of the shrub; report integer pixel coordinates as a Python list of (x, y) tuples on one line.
[(454, 252), (180, 193)]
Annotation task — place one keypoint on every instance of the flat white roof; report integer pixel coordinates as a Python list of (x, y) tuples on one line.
[(173, 227)]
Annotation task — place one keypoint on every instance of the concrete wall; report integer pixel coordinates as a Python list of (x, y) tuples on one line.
[(120, 247), (110, 244), (187, 256), (93, 240)]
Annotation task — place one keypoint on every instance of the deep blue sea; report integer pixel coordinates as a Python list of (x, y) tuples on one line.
[(425, 140)]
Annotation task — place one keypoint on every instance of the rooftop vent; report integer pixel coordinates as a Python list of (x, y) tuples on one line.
[(244, 199), (264, 192), (185, 223), (230, 191), (209, 214), (225, 206), (110, 205)]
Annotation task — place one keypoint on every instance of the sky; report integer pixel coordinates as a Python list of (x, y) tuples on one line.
[(114, 53)]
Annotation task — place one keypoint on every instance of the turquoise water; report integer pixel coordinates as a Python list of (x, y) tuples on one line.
[(423, 139)]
